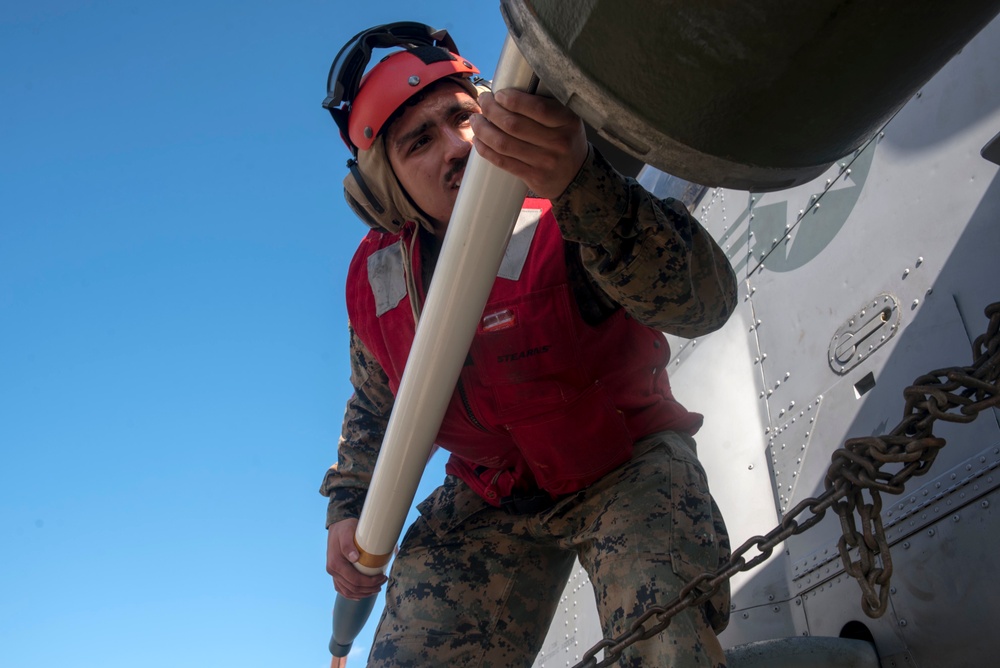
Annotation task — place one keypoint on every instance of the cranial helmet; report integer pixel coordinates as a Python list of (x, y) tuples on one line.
[(362, 104)]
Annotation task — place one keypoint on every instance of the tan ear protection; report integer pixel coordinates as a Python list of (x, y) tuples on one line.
[(374, 193)]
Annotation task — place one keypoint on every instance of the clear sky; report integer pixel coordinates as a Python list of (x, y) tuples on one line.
[(173, 340)]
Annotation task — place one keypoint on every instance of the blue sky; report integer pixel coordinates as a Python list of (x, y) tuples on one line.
[(173, 340)]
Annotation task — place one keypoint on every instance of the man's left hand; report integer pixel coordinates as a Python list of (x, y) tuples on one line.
[(534, 138)]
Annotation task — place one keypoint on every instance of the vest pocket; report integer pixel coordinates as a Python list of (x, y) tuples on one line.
[(526, 354), (575, 445), (526, 338)]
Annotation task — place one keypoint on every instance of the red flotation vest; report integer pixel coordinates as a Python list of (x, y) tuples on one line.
[(545, 401)]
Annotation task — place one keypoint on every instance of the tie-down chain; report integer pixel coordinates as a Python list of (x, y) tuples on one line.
[(954, 394)]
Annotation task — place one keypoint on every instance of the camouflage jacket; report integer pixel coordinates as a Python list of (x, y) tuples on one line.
[(631, 251)]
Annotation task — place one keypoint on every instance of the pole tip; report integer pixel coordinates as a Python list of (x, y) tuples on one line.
[(339, 651)]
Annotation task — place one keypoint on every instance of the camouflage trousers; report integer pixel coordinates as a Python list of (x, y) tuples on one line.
[(473, 585)]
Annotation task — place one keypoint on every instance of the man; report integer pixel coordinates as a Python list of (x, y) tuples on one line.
[(566, 440)]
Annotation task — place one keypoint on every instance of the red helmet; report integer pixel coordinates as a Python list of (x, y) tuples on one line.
[(362, 105), (392, 82)]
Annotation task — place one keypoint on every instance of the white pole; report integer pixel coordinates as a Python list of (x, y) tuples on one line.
[(481, 224), (480, 227)]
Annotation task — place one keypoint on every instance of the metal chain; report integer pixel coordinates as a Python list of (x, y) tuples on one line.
[(955, 394)]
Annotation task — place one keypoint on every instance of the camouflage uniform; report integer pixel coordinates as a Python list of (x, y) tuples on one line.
[(475, 586)]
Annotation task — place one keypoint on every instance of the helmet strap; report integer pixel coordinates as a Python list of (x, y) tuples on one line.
[(352, 165)]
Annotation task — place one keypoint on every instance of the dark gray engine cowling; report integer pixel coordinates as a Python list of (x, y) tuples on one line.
[(758, 95)]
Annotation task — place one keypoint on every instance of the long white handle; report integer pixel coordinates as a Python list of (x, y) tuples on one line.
[(487, 206), (480, 227)]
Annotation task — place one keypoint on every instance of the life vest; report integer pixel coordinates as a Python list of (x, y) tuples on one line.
[(545, 401)]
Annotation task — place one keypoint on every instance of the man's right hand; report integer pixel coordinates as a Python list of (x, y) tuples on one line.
[(341, 554)]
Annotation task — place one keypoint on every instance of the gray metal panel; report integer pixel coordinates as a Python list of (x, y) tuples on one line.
[(720, 383), (829, 607), (575, 628), (945, 596), (928, 343), (889, 220), (947, 491), (944, 601), (922, 228), (725, 213), (885, 246), (732, 442), (780, 618)]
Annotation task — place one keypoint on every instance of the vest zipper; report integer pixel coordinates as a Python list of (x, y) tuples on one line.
[(468, 406)]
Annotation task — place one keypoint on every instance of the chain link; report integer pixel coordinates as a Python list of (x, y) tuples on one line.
[(955, 394)]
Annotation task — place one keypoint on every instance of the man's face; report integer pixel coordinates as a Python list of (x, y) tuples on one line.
[(428, 147)]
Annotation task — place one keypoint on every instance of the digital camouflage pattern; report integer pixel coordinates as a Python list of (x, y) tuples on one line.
[(474, 586), (648, 255), (365, 421)]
